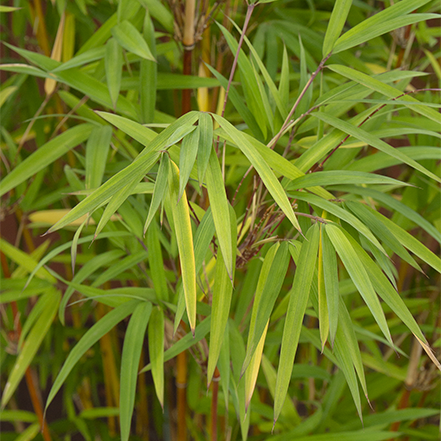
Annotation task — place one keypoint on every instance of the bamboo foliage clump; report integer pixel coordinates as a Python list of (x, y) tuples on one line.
[(244, 206)]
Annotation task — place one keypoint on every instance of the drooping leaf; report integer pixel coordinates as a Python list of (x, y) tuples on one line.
[(32, 343), (298, 299), (99, 329), (130, 357), (184, 237), (156, 351)]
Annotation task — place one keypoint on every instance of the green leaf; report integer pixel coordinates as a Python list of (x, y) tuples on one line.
[(335, 177), (45, 155), (267, 175), (220, 211), (185, 342), (156, 351), (131, 354), (358, 275), (148, 75), (376, 84), (31, 345), (114, 64), (383, 22), (270, 282), (130, 39), (93, 334), (341, 213), (184, 237), (381, 231), (135, 130), (189, 150), (156, 263), (372, 140), (298, 299), (82, 59), (220, 305), (205, 144), (97, 149), (142, 164), (335, 26), (330, 274)]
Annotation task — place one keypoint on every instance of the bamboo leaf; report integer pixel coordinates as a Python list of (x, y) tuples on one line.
[(32, 343), (189, 150), (148, 73), (184, 237), (372, 140), (114, 63), (270, 282), (130, 39), (382, 232), (267, 175), (298, 299), (379, 86), (323, 312), (45, 155), (341, 213), (25, 261), (97, 149), (358, 275), (336, 177), (330, 275), (131, 353), (335, 26), (156, 351), (185, 342), (99, 329), (220, 305), (253, 368), (385, 21), (220, 211), (205, 144)]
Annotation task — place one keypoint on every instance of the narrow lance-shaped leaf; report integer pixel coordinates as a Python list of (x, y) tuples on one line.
[(31, 345), (114, 63), (97, 149), (358, 275), (221, 212), (99, 329), (131, 353), (156, 351), (253, 368), (330, 274), (148, 72), (189, 150), (269, 285), (372, 140), (322, 304), (385, 21), (298, 300), (205, 144), (335, 25), (45, 155), (129, 38), (391, 297), (184, 237), (271, 183), (160, 189), (142, 164), (220, 305)]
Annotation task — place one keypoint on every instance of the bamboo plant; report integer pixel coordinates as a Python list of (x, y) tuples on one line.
[(239, 201)]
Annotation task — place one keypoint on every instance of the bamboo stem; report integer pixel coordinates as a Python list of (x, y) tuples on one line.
[(214, 402)]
